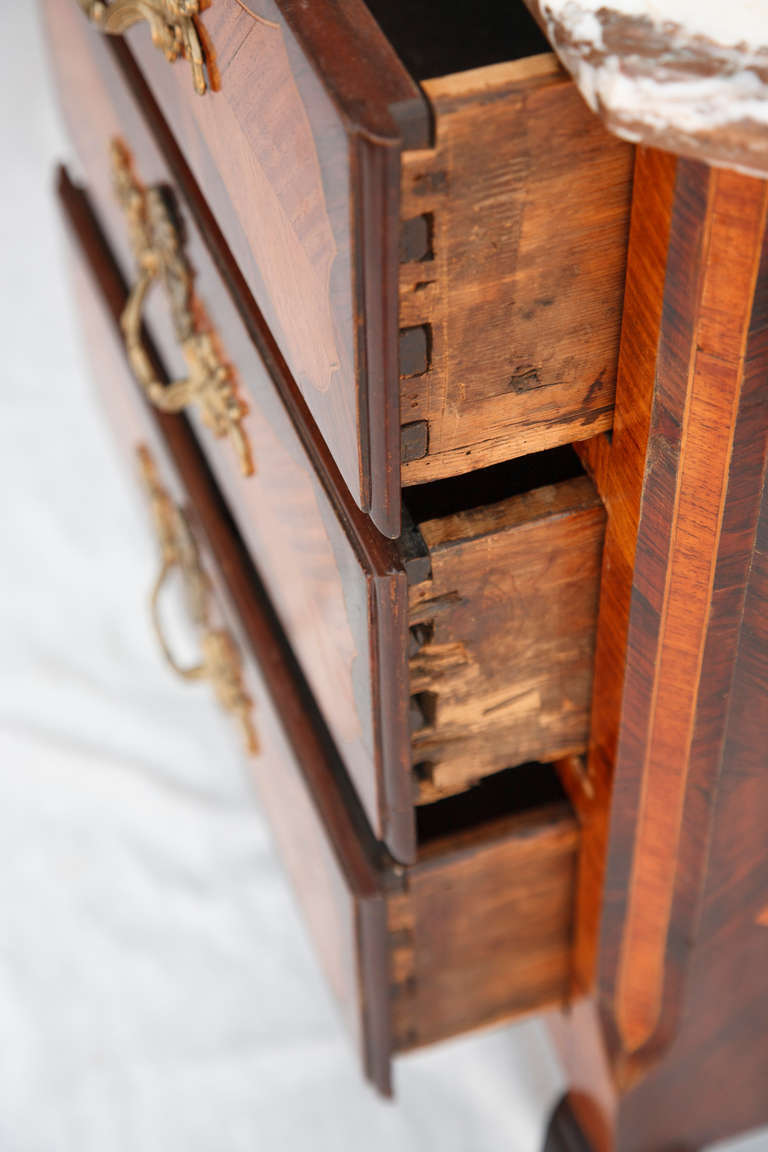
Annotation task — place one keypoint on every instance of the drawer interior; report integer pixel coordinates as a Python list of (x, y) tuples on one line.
[(434, 38), (503, 569)]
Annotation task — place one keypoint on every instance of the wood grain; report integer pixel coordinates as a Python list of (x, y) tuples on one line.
[(328, 853), (621, 477), (681, 682), (721, 1045), (528, 199), (371, 920), (510, 611), (483, 930), (337, 586), (678, 579), (297, 154), (679, 652)]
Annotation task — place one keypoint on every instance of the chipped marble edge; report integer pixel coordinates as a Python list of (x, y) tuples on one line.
[(668, 82)]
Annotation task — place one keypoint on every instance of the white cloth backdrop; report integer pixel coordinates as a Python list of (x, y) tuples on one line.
[(157, 992)]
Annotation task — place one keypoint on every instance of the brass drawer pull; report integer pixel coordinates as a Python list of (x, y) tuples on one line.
[(220, 662), (157, 244), (172, 25)]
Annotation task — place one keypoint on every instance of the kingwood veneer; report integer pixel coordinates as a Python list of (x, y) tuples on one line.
[(465, 648), (388, 229), (412, 955), (403, 243), (668, 1045)]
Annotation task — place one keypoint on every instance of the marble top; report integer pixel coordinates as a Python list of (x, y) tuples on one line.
[(687, 75)]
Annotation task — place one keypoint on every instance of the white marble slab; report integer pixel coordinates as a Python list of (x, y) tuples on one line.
[(688, 75)]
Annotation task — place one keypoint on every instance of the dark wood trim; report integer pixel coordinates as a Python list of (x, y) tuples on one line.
[(390, 596), (367, 870), (563, 1132), (671, 941), (378, 555), (374, 951), (361, 70), (378, 241)]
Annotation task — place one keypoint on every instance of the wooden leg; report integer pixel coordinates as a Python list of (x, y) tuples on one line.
[(564, 1133), (672, 924)]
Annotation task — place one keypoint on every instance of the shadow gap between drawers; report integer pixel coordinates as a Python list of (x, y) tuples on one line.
[(491, 485), (434, 39), (511, 792)]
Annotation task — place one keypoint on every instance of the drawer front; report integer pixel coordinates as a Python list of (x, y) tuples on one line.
[(478, 929), (296, 148), (501, 626), (326, 852), (336, 584), (498, 333)]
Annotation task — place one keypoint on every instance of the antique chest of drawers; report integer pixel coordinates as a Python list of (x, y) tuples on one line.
[(405, 702), (387, 231), (500, 664), (352, 278), (413, 954)]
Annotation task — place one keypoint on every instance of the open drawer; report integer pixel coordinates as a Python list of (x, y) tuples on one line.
[(428, 216), (478, 929), (503, 570), (499, 620)]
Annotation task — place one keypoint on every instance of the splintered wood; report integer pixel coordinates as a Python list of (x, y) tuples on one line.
[(503, 635)]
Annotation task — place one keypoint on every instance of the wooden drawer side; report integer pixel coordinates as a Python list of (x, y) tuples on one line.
[(483, 930), (525, 200), (503, 630)]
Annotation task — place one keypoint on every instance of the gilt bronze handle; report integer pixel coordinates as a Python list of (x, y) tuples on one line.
[(172, 25), (220, 662), (157, 241)]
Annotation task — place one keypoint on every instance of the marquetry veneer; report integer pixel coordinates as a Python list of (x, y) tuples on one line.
[(479, 927), (464, 234), (395, 253), (464, 648)]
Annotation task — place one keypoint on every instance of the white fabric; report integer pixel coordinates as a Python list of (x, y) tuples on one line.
[(157, 992)]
